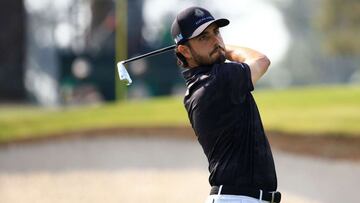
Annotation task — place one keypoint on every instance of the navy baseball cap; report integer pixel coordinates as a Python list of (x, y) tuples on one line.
[(191, 22)]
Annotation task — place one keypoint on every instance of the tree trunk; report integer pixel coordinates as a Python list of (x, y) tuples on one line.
[(12, 44)]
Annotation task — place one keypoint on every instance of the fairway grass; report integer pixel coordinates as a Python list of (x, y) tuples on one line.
[(313, 110)]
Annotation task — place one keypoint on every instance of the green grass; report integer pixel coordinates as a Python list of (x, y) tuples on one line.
[(312, 110), (315, 110), (22, 122)]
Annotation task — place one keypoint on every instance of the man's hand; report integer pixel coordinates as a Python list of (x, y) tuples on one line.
[(257, 61)]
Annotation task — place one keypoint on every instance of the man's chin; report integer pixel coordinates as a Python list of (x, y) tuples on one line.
[(220, 59)]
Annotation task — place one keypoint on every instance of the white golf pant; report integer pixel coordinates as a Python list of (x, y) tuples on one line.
[(232, 199)]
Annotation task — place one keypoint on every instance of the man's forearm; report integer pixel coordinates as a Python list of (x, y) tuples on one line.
[(257, 61), (242, 54)]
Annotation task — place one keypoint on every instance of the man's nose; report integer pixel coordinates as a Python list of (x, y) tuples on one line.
[(217, 40)]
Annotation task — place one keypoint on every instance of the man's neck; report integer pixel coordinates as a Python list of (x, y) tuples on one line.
[(193, 64)]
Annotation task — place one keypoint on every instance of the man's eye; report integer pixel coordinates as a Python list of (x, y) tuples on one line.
[(202, 37)]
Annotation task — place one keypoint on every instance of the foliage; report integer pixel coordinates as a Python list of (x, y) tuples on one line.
[(339, 21)]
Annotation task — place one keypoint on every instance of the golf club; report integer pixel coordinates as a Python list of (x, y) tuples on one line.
[(123, 73)]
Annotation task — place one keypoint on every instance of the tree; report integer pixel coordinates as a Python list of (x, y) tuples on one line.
[(12, 50), (339, 20)]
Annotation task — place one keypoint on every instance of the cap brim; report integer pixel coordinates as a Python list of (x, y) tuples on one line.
[(222, 22)]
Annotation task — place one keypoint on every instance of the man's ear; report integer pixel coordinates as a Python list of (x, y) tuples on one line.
[(185, 51)]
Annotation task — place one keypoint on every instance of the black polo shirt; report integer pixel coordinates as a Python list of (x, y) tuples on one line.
[(227, 123)]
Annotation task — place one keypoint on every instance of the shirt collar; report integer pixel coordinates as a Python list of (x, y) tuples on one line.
[(189, 73)]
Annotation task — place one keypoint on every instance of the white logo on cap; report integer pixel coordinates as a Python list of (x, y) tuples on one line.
[(178, 38), (199, 13)]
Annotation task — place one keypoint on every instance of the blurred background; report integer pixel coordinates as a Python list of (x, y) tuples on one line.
[(57, 52), (70, 131), (63, 52)]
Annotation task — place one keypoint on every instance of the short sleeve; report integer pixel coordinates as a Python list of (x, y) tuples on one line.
[(236, 80)]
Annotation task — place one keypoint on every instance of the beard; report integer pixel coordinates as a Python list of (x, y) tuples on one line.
[(209, 60)]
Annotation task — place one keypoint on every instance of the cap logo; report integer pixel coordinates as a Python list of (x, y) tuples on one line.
[(178, 38), (199, 13)]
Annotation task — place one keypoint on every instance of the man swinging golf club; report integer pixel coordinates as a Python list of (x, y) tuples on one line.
[(222, 110)]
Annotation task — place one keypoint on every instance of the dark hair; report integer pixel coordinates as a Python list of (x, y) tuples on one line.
[(181, 60)]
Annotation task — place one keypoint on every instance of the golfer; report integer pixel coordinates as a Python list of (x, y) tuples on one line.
[(222, 110)]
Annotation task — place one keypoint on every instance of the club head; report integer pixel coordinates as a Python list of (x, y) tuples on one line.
[(123, 74)]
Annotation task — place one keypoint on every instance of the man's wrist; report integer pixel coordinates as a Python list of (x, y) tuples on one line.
[(234, 55), (229, 54)]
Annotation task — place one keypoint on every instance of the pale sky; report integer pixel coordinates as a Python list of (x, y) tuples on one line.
[(256, 24)]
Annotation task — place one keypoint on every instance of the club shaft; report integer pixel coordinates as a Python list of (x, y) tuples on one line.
[(150, 54)]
